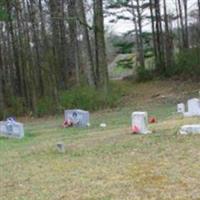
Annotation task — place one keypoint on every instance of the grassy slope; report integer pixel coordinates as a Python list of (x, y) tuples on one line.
[(107, 163)]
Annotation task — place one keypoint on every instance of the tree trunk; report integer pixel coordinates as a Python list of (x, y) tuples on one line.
[(100, 48), (182, 25), (199, 10), (136, 33), (37, 58), (55, 45), (141, 46), (63, 45), (186, 42), (152, 5), (18, 85), (73, 54), (159, 39), (87, 45), (168, 39), (178, 26), (1, 87)]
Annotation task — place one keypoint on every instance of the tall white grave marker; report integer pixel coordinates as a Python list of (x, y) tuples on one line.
[(140, 122), (193, 108)]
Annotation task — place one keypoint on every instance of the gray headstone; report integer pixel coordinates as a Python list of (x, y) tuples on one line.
[(60, 147), (79, 118), (11, 129)]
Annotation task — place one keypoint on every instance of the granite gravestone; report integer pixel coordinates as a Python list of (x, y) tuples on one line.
[(78, 118), (11, 129), (60, 147)]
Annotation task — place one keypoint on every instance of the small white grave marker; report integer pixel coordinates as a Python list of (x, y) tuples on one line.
[(180, 108), (140, 122), (103, 125), (11, 129), (78, 118), (190, 129)]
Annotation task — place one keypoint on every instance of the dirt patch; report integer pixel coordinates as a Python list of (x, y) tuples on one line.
[(167, 91)]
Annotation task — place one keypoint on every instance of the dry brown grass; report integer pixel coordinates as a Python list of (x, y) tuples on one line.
[(103, 164)]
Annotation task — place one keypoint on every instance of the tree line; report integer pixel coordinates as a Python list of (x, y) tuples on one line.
[(49, 45), (171, 30)]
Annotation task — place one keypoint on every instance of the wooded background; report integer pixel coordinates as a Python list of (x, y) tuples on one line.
[(49, 46)]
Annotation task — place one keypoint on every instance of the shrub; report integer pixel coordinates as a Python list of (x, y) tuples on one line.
[(83, 97), (15, 106), (45, 106), (89, 98), (144, 74), (187, 63)]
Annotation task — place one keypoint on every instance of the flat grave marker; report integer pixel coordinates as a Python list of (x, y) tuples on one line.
[(190, 129)]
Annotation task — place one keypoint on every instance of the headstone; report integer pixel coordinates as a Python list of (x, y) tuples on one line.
[(140, 122), (103, 125), (180, 108), (190, 129), (79, 118), (11, 129), (60, 147), (193, 108)]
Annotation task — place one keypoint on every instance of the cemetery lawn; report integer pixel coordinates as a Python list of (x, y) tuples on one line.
[(107, 163)]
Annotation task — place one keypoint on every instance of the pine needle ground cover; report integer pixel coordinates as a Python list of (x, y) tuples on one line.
[(107, 163)]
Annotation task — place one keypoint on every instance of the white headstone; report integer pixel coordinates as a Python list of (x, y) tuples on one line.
[(79, 118), (103, 125), (193, 108), (140, 120), (11, 129), (180, 108), (190, 129)]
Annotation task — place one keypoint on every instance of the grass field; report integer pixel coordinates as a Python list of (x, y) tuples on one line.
[(110, 163)]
